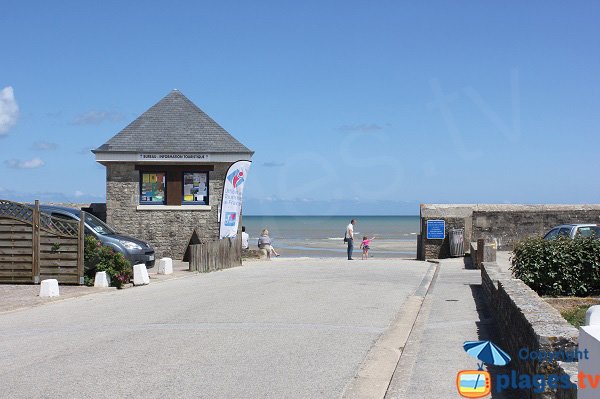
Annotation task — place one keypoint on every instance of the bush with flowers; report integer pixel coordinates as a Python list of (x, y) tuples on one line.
[(98, 258)]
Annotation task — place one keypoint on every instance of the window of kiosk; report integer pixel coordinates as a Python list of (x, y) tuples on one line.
[(153, 188), (195, 188)]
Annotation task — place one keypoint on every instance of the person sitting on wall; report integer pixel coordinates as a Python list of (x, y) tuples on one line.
[(245, 238), (265, 242)]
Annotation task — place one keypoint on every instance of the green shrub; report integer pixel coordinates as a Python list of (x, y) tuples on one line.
[(98, 258), (559, 267)]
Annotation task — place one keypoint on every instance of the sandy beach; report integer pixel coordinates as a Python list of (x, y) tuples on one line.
[(404, 249)]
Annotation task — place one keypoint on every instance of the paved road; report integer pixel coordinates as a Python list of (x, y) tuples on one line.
[(284, 329)]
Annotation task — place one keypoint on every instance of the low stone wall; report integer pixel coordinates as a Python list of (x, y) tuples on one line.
[(503, 224), (525, 320)]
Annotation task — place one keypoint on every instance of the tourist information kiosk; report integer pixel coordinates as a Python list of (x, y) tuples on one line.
[(165, 173)]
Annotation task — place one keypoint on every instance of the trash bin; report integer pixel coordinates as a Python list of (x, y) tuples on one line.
[(457, 243)]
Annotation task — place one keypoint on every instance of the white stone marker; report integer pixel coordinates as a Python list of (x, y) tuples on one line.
[(140, 275), (102, 280), (49, 288), (592, 316), (165, 266)]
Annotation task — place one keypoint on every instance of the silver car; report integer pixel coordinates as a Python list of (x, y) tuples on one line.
[(135, 251), (573, 230)]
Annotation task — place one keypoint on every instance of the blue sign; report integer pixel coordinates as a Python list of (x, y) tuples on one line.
[(436, 229)]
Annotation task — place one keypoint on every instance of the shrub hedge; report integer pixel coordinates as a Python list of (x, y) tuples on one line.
[(98, 258), (559, 267)]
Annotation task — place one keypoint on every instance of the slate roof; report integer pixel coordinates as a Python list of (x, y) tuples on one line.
[(174, 124)]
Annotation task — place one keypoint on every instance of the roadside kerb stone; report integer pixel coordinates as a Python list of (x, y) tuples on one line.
[(140, 274), (101, 280), (49, 288), (165, 266)]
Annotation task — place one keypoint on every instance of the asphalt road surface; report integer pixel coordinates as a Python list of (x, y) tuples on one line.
[(280, 329)]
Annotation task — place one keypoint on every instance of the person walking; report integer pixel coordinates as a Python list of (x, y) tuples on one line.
[(350, 238)]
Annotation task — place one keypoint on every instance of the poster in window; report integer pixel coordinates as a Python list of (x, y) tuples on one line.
[(195, 188), (153, 187)]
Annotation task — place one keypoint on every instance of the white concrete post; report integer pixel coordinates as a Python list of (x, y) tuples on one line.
[(102, 280), (140, 275), (592, 316), (49, 288), (165, 266)]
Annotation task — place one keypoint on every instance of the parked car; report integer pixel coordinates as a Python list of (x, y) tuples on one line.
[(573, 230), (135, 251)]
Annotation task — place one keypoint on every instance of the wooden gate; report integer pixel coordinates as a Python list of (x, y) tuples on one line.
[(35, 246)]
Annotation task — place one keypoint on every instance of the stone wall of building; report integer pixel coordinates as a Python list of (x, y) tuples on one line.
[(169, 231), (456, 216), (525, 320), (504, 224), (439, 249)]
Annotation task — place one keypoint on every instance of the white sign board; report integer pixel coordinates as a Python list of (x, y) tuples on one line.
[(174, 157), (231, 204)]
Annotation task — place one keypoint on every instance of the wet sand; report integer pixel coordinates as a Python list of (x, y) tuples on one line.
[(405, 249)]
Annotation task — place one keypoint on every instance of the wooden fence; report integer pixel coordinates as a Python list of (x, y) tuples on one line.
[(216, 255), (35, 246)]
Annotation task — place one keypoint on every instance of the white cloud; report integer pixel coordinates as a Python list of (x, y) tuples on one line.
[(28, 164), (44, 145), (9, 110), (79, 193)]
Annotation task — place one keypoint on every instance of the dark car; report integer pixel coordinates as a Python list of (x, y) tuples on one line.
[(135, 251)]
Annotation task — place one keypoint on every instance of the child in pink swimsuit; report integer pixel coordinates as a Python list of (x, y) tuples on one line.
[(366, 242)]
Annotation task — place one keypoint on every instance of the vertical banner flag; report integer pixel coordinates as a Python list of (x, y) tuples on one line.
[(231, 204)]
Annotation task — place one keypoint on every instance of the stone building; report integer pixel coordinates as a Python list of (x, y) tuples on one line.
[(165, 174)]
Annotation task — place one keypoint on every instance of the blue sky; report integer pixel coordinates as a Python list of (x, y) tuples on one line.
[(352, 107)]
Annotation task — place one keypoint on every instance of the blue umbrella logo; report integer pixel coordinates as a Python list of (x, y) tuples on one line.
[(487, 352)]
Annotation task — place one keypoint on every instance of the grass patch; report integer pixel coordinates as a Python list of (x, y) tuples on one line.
[(575, 316), (573, 309)]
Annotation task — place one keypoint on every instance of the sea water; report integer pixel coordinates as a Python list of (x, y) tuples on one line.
[(322, 236)]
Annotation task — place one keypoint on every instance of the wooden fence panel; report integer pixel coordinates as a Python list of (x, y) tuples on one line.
[(216, 255), (16, 251), (36, 246)]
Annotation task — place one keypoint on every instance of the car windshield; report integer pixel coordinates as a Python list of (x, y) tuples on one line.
[(98, 225)]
